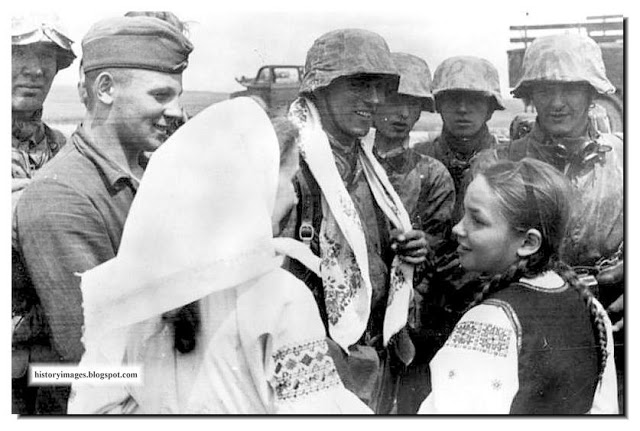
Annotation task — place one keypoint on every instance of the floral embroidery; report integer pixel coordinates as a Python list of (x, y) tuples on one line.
[(481, 337), (350, 210), (452, 374), (496, 384), (303, 369), (340, 285), (397, 280)]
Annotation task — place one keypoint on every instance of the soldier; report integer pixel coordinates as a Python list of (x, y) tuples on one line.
[(423, 183), (467, 92), (71, 217), (350, 215), (562, 76), (40, 48)]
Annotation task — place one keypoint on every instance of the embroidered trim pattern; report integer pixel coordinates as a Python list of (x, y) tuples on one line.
[(397, 280), (340, 284), (511, 315), (481, 337), (303, 369)]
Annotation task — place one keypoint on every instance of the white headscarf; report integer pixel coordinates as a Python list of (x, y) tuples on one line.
[(200, 223)]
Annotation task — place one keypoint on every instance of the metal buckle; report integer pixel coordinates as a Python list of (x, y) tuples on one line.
[(306, 232)]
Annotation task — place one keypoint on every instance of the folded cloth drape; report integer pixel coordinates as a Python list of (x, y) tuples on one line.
[(200, 230), (344, 265)]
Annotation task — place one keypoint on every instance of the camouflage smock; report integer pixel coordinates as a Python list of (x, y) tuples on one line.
[(33, 144), (425, 188), (458, 165), (596, 226)]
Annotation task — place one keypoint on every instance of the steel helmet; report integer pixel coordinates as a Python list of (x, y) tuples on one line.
[(43, 28), (468, 73), (563, 58), (346, 52), (415, 78)]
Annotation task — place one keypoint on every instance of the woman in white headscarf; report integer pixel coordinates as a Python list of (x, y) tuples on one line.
[(198, 242)]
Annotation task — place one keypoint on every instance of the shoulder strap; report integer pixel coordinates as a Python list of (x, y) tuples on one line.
[(309, 211)]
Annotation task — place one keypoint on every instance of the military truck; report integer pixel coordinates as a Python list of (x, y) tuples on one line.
[(274, 86), (607, 31)]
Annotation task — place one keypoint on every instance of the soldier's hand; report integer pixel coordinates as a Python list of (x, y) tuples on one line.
[(410, 246), (616, 308), (611, 275), (618, 326)]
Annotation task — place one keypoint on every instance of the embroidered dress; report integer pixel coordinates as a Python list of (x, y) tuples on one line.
[(524, 350), (261, 346)]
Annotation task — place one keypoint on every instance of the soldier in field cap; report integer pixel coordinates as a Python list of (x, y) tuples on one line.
[(71, 217)]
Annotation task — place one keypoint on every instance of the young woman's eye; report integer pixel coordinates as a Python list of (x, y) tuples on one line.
[(477, 221)]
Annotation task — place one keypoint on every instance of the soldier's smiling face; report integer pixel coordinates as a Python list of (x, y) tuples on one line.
[(563, 107)]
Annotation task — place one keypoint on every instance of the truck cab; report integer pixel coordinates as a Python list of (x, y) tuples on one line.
[(274, 86)]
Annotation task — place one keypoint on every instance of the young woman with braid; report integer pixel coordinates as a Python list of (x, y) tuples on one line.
[(535, 340)]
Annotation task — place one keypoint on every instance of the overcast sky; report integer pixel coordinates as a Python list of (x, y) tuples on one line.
[(236, 39)]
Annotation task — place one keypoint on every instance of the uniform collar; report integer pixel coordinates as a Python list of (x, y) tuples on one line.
[(115, 176)]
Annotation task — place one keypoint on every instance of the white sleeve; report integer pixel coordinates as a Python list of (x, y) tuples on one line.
[(605, 400), (297, 372), (476, 371), (302, 372)]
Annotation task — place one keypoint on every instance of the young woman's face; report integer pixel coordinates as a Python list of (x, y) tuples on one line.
[(487, 243), (286, 197)]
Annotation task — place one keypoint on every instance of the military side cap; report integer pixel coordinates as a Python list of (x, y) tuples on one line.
[(563, 58), (346, 52), (136, 42)]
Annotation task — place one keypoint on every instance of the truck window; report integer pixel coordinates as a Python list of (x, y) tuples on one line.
[(288, 75), (264, 75)]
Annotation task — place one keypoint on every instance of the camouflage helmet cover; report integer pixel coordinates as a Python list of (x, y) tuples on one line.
[(563, 58), (415, 78), (467, 73), (33, 28), (345, 52)]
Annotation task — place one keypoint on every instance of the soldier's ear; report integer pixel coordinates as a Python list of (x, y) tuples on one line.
[(105, 88)]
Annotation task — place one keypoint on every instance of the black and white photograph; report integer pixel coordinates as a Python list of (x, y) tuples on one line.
[(415, 210)]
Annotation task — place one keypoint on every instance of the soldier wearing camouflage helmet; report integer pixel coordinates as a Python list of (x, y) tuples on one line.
[(423, 183), (350, 215), (467, 92), (425, 187), (562, 75), (40, 48)]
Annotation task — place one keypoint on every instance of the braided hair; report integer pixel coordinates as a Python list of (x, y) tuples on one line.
[(534, 195)]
